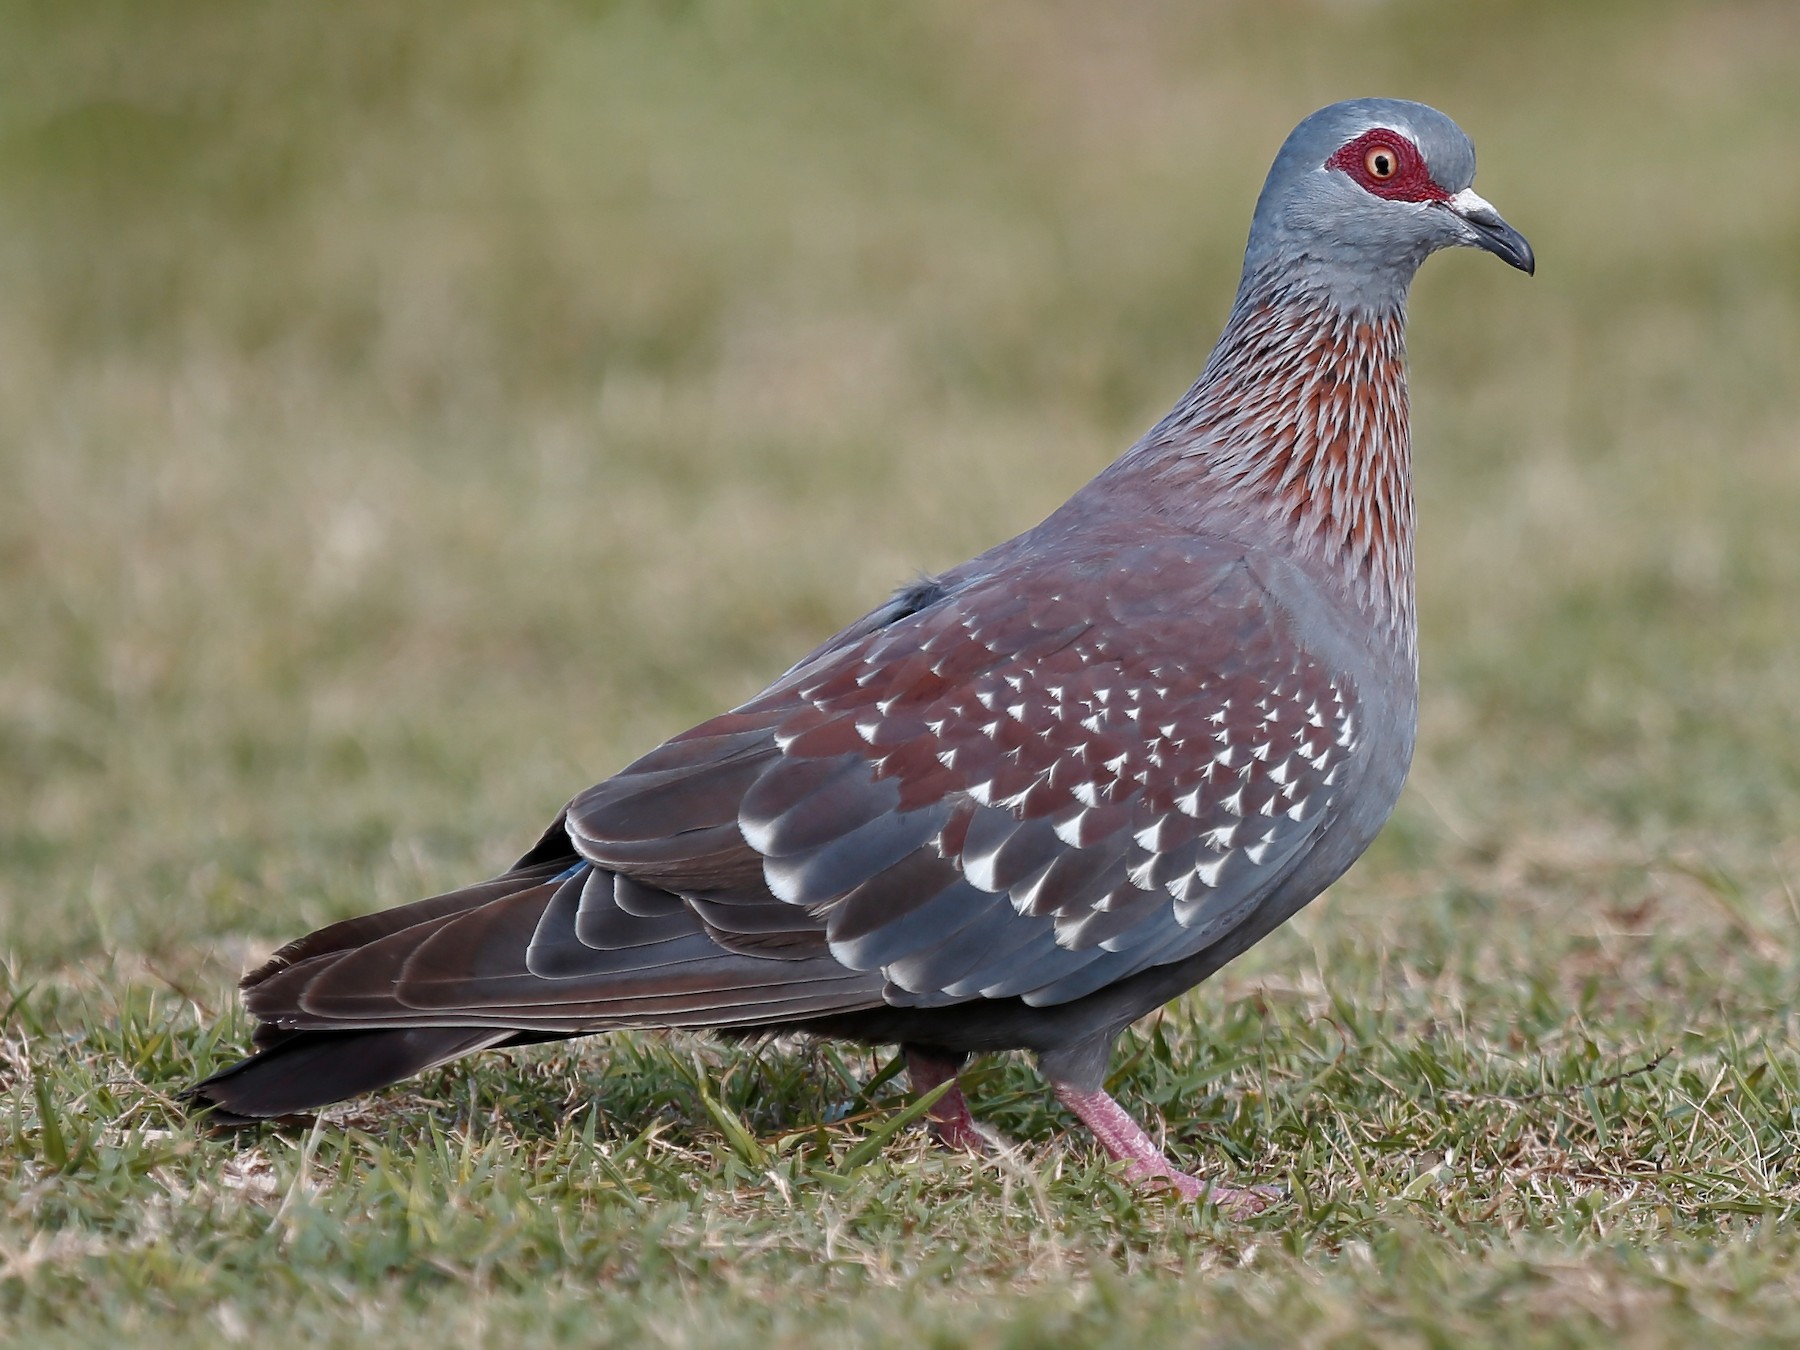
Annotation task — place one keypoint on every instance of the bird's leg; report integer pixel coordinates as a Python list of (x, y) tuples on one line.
[(948, 1119), (1125, 1141)]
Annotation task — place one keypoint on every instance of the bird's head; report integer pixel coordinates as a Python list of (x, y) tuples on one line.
[(1363, 192)]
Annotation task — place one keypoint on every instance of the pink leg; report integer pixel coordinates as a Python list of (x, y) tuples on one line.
[(949, 1119), (1125, 1141)]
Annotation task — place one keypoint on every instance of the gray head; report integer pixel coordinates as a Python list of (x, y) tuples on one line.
[(1362, 193)]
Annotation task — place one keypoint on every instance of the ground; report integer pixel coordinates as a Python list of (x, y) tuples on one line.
[(404, 425)]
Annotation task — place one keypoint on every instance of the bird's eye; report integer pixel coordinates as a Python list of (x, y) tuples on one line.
[(1382, 162)]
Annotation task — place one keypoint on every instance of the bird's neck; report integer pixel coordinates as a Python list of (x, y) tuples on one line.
[(1297, 430)]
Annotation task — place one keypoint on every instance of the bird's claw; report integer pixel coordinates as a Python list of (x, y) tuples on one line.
[(1238, 1202)]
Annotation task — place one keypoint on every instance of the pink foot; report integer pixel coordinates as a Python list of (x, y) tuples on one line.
[(948, 1119), (1125, 1141)]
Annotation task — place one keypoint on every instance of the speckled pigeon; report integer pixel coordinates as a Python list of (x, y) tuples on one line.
[(1026, 801)]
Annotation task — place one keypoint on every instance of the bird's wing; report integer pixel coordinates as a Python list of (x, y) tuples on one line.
[(1032, 785)]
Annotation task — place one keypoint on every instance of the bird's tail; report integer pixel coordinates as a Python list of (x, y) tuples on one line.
[(297, 1070), (309, 1069)]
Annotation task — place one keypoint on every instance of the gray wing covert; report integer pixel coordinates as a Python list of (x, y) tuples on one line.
[(1031, 787)]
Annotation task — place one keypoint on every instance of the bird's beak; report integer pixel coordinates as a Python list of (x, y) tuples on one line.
[(1487, 230)]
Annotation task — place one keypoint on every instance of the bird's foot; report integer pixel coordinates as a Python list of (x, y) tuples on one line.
[(1237, 1202), (1124, 1140), (948, 1118), (960, 1135)]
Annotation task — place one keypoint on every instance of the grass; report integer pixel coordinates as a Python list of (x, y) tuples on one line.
[(402, 425)]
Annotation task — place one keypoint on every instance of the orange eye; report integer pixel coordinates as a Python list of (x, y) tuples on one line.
[(1382, 162)]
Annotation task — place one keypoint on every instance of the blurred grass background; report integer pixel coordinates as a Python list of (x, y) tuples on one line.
[(408, 416)]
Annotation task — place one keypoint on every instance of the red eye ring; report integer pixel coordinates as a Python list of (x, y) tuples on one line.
[(1386, 164)]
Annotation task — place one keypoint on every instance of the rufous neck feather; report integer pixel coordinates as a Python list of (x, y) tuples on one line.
[(1299, 424)]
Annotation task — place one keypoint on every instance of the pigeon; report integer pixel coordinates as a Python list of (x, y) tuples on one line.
[(1027, 800)]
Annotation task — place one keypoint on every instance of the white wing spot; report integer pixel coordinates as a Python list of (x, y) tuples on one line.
[(1015, 801), (979, 868), (1069, 831)]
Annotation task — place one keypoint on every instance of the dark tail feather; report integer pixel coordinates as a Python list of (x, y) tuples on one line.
[(309, 1069), (349, 934)]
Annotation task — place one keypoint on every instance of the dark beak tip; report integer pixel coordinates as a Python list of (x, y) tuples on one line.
[(1504, 242)]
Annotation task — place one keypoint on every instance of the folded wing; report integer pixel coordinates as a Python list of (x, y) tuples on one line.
[(1028, 786)]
